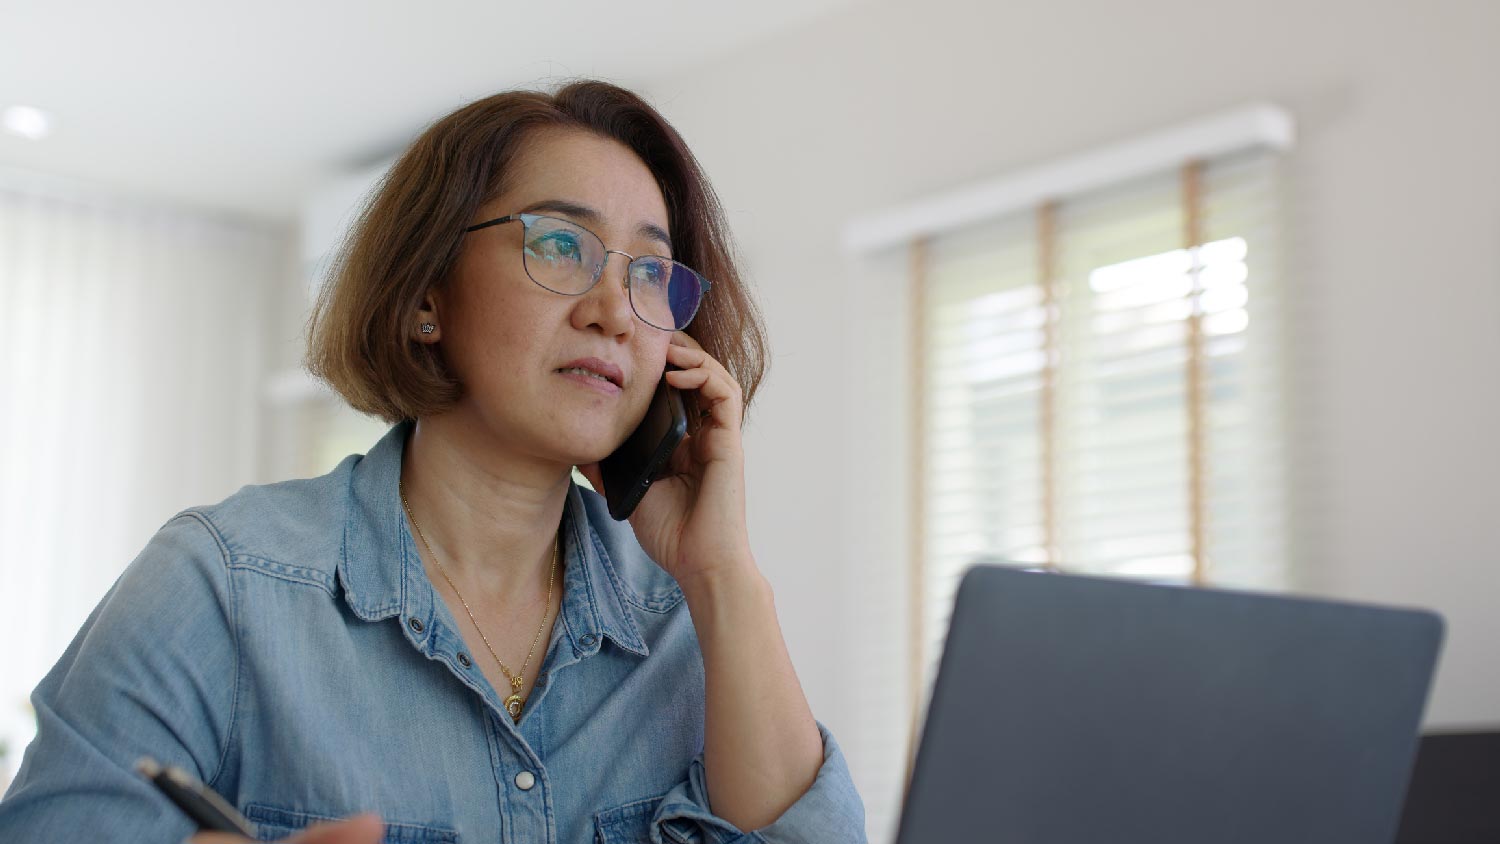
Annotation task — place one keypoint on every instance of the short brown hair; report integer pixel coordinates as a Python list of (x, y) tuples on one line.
[(360, 335)]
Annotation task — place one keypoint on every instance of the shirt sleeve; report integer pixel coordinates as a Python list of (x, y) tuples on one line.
[(151, 673), (830, 812)]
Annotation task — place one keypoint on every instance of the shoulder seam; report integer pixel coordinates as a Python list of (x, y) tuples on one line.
[(234, 633)]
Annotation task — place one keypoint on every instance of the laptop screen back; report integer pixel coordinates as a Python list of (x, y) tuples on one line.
[(1075, 709)]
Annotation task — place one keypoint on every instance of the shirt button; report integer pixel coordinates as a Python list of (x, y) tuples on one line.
[(525, 780), (416, 624), (588, 640), (463, 659)]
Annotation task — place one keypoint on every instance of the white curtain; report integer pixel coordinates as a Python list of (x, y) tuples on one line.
[(131, 359)]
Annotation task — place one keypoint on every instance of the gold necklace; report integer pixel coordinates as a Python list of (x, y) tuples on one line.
[(515, 703)]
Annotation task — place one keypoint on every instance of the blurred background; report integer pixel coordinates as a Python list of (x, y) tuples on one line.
[(1194, 292)]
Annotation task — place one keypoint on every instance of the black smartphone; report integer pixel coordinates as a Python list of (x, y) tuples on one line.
[(646, 454)]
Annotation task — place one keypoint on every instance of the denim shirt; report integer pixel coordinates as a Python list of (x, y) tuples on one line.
[(286, 647)]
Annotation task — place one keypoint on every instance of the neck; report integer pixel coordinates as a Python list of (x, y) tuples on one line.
[(490, 516)]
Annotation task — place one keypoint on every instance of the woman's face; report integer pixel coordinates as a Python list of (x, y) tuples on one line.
[(511, 342)]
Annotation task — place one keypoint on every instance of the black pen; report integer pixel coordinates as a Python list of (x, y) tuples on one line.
[(211, 812)]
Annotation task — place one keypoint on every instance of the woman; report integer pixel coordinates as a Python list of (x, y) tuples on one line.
[(447, 631)]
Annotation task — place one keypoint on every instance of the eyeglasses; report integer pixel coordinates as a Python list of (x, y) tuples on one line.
[(567, 258)]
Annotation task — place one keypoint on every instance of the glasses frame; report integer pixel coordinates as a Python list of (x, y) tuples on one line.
[(528, 220)]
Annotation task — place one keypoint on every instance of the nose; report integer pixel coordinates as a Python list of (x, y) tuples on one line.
[(607, 304)]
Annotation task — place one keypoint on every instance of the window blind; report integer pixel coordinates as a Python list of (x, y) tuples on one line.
[(1099, 388)]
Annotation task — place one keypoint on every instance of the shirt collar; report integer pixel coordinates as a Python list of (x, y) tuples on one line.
[(383, 576)]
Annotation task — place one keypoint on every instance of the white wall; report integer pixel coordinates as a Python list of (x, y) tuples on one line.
[(1395, 286)]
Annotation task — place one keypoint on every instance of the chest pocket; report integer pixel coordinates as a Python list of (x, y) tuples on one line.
[(628, 824), (274, 824)]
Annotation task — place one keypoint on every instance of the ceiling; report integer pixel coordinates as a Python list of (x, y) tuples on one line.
[(247, 108)]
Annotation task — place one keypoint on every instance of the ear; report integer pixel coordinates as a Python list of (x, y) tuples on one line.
[(427, 314)]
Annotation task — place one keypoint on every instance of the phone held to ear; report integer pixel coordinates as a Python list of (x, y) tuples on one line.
[(646, 454)]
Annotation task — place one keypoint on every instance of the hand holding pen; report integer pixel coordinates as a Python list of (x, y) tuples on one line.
[(220, 823), (360, 829)]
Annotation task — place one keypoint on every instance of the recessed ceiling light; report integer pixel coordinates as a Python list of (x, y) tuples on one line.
[(26, 121)]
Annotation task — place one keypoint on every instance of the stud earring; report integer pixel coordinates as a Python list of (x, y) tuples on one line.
[(428, 328)]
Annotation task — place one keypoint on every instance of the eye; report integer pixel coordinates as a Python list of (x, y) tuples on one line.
[(653, 273), (554, 247)]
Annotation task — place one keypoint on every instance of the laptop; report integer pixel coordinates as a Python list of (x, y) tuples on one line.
[(1073, 709)]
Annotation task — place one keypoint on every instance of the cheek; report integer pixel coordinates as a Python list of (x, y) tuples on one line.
[(502, 318), (651, 355), (650, 361), (488, 339)]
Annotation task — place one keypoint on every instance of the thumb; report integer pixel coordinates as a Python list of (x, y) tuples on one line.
[(360, 829)]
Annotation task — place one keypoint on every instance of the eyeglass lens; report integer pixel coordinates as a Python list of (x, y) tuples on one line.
[(569, 259)]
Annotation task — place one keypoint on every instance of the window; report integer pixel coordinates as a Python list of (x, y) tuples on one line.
[(1099, 386), (1043, 411)]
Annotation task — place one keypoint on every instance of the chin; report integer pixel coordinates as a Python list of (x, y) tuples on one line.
[(585, 447)]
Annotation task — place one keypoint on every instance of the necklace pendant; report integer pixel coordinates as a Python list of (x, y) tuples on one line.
[(513, 705)]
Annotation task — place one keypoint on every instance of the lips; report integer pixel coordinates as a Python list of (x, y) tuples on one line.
[(597, 368)]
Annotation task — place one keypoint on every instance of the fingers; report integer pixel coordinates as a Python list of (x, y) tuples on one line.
[(687, 356), (718, 385), (681, 338), (718, 394), (360, 829)]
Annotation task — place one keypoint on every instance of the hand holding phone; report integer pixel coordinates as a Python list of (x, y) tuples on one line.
[(696, 522), (646, 454)]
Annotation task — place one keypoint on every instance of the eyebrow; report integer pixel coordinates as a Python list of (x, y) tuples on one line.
[(594, 218)]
